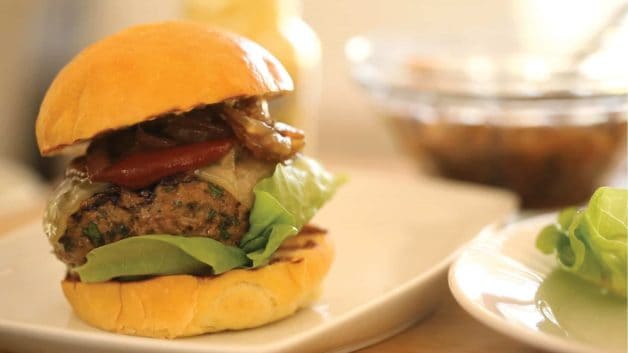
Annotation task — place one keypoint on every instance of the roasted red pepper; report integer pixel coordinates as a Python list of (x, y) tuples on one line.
[(144, 168)]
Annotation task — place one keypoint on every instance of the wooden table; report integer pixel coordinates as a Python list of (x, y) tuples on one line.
[(450, 330)]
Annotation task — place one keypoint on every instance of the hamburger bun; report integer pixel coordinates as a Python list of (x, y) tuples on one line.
[(147, 71), (185, 305)]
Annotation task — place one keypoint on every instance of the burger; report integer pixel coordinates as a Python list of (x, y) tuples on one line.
[(186, 207)]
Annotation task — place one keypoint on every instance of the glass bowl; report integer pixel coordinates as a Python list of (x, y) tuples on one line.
[(528, 123)]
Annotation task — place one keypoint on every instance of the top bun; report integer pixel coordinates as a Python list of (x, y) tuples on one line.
[(147, 71)]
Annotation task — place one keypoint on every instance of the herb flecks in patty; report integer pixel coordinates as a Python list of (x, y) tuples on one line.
[(215, 191), (94, 235)]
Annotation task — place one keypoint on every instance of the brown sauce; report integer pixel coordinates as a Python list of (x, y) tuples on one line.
[(547, 166)]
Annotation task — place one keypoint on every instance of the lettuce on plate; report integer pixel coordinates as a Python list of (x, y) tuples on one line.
[(593, 242), (284, 202)]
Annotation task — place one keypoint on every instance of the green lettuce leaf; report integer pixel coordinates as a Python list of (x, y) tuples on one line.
[(283, 203), (160, 255), (593, 242)]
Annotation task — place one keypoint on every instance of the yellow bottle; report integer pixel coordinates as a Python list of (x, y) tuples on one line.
[(277, 26)]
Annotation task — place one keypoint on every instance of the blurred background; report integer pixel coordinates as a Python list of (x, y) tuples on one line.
[(524, 94)]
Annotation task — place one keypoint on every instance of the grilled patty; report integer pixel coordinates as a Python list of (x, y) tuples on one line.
[(178, 205)]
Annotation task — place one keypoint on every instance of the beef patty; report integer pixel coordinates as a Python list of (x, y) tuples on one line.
[(178, 205)]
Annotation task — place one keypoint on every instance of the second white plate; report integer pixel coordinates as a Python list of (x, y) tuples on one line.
[(395, 237), (504, 281)]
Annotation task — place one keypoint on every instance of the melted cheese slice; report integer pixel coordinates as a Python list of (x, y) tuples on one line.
[(237, 174), (66, 199)]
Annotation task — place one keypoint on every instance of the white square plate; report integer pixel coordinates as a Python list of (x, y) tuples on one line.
[(394, 235)]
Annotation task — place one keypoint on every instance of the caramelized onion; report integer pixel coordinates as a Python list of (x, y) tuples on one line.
[(201, 124), (97, 158), (267, 140), (148, 141), (297, 136)]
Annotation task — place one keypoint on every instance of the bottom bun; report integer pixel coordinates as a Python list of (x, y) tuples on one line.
[(185, 305)]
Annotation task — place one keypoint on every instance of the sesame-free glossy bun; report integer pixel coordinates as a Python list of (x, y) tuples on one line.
[(184, 305), (149, 70)]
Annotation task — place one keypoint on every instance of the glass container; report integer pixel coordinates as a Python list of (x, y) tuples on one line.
[(528, 123)]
